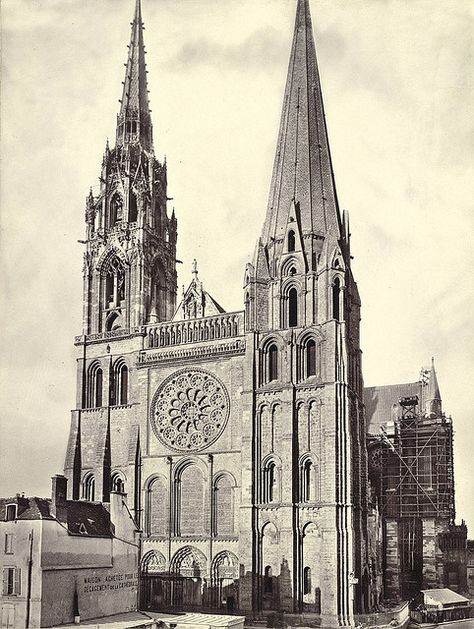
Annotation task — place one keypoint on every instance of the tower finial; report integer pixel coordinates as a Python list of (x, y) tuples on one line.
[(433, 404), (195, 269), (134, 119)]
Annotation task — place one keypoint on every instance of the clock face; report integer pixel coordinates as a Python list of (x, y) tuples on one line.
[(189, 410)]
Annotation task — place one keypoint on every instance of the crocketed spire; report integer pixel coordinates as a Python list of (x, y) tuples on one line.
[(134, 119), (302, 171)]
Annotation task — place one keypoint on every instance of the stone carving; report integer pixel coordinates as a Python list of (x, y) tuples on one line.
[(190, 410)]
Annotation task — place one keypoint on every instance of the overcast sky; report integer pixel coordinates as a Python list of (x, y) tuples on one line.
[(398, 87)]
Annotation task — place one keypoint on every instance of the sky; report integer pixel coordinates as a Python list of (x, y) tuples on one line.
[(398, 89)]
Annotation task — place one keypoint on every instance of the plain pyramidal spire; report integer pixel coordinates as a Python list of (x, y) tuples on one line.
[(433, 404), (302, 170), (134, 119)]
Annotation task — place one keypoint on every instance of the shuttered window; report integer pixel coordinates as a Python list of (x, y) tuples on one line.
[(11, 581)]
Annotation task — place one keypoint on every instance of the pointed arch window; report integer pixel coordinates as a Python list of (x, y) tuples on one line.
[(336, 299), (114, 284), (132, 208), (272, 363), (115, 210), (159, 292), (291, 241), (119, 384), (94, 386), (88, 487), (310, 356), (292, 307)]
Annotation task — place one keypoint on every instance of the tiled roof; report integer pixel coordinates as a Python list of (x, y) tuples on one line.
[(83, 518), (380, 401), (88, 518), (28, 508)]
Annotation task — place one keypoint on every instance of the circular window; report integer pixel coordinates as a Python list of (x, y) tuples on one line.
[(189, 410)]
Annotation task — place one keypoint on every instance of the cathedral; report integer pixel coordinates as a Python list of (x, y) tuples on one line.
[(239, 438)]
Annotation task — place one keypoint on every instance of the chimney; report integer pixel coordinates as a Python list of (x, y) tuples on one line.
[(58, 497)]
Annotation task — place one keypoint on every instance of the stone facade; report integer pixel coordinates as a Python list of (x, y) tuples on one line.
[(238, 437)]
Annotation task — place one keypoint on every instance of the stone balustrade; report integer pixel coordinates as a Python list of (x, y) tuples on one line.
[(223, 326)]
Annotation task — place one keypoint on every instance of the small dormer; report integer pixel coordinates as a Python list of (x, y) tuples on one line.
[(292, 259), (11, 512)]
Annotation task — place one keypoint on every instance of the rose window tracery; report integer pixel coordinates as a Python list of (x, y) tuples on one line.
[(190, 410)]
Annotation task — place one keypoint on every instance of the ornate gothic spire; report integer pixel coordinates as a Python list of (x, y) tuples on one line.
[(134, 120), (302, 171)]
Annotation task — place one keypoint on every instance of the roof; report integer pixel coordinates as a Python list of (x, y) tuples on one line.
[(445, 596), (28, 508), (88, 518), (302, 170), (82, 517), (381, 403), (196, 301)]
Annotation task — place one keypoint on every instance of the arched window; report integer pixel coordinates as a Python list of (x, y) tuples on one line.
[(291, 241), (132, 208), (336, 292), (272, 363), (310, 351), (192, 490), (115, 210), (223, 506), (307, 488), (270, 482), (117, 483), (157, 507), (268, 580), (309, 481), (292, 307), (159, 291), (119, 384), (88, 487), (114, 284), (94, 386), (306, 580)]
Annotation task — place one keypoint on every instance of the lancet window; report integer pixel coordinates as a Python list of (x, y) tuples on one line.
[(88, 487), (336, 299), (119, 384), (117, 483), (272, 363), (94, 386), (291, 241), (292, 307), (269, 482), (114, 284)]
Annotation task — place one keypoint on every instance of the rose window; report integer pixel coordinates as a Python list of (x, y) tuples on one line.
[(190, 410)]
